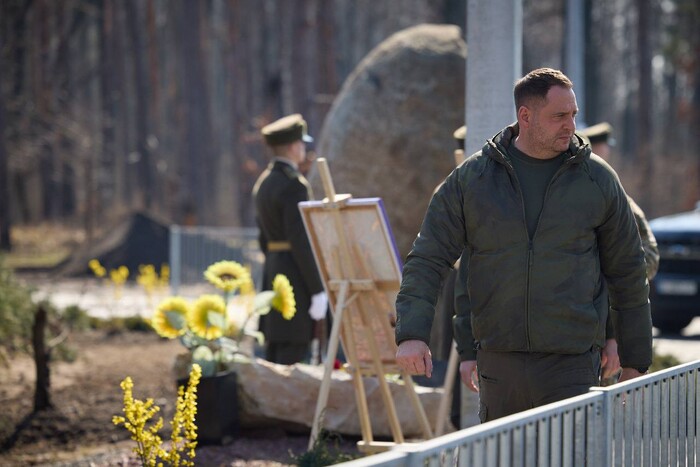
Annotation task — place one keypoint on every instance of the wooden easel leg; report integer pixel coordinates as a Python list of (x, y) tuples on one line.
[(391, 409), (362, 408), (360, 394), (383, 386), (443, 409), (417, 406), (330, 360)]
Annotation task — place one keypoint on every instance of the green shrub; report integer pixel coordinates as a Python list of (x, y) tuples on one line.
[(64, 353), (321, 454), (662, 361), (16, 311), (137, 323), (117, 325), (75, 318)]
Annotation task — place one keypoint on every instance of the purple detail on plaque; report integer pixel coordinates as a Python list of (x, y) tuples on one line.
[(391, 234)]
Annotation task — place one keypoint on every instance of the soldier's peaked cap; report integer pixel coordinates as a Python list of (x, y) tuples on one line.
[(598, 133), (286, 130), (459, 135)]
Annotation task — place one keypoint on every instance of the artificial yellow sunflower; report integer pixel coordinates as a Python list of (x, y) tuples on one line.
[(170, 317), (283, 300), (229, 276), (207, 317)]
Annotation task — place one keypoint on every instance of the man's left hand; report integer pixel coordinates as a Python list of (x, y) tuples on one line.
[(609, 359), (629, 373)]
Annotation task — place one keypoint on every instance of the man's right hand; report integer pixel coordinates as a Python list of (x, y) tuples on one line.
[(470, 376), (414, 357)]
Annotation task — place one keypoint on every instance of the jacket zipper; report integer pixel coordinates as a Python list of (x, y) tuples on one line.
[(514, 176), (530, 240)]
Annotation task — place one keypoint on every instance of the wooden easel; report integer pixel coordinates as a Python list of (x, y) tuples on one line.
[(355, 298)]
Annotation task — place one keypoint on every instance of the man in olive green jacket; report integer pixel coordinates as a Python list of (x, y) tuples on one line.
[(544, 224)]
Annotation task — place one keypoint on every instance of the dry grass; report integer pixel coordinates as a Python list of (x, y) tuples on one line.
[(42, 245)]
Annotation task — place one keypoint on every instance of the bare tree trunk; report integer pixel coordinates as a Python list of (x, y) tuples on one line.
[(693, 18), (695, 187), (156, 127), (306, 75), (49, 195), (60, 73), (16, 43), (144, 168), (42, 397), (106, 168), (328, 75), (5, 221), (645, 98), (198, 164), (245, 165), (125, 180)]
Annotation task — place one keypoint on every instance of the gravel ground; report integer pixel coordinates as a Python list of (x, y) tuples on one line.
[(85, 394)]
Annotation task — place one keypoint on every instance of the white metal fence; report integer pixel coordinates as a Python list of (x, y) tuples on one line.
[(193, 249), (649, 421)]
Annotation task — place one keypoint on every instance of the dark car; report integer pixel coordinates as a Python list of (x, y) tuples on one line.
[(675, 291)]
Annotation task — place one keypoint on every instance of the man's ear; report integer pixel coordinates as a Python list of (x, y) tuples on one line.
[(524, 116)]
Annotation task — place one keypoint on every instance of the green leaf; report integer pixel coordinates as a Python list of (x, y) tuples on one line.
[(216, 319), (204, 357), (228, 345), (259, 336), (262, 301), (208, 366), (202, 353), (191, 340), (175, 319)]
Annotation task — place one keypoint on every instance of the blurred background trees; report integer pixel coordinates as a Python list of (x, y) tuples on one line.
[(110, 106)]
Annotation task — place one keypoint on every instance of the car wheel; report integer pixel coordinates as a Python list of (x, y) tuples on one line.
[(671, 324)]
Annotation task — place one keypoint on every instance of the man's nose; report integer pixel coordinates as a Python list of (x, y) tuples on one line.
[(570, 123)]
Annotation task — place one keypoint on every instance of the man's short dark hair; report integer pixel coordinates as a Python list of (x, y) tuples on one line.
[(535, 85)]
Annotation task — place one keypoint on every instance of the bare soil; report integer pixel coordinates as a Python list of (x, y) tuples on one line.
[(85, 394)]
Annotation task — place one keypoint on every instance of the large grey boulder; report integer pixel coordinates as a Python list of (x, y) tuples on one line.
[(389, 131), (285, 397)]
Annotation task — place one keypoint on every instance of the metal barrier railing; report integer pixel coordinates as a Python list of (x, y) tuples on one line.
[(649, 421), (193, 249), (653, 420)]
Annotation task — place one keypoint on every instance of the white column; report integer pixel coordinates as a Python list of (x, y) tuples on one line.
[(575, 56), (494, 63)]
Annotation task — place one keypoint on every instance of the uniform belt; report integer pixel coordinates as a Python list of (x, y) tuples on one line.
[(279, 246)]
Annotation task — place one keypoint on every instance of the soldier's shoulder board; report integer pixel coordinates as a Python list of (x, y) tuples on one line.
[(290, 172)]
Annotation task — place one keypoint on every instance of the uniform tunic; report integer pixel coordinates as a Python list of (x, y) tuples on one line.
[(277, 193)]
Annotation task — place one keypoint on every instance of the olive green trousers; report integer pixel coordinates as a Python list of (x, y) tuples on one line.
[(510, 382)]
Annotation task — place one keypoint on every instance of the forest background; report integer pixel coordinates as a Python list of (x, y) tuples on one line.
[(112, 106)]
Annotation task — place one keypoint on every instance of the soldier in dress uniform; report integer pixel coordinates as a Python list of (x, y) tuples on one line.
[(284, 242)]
